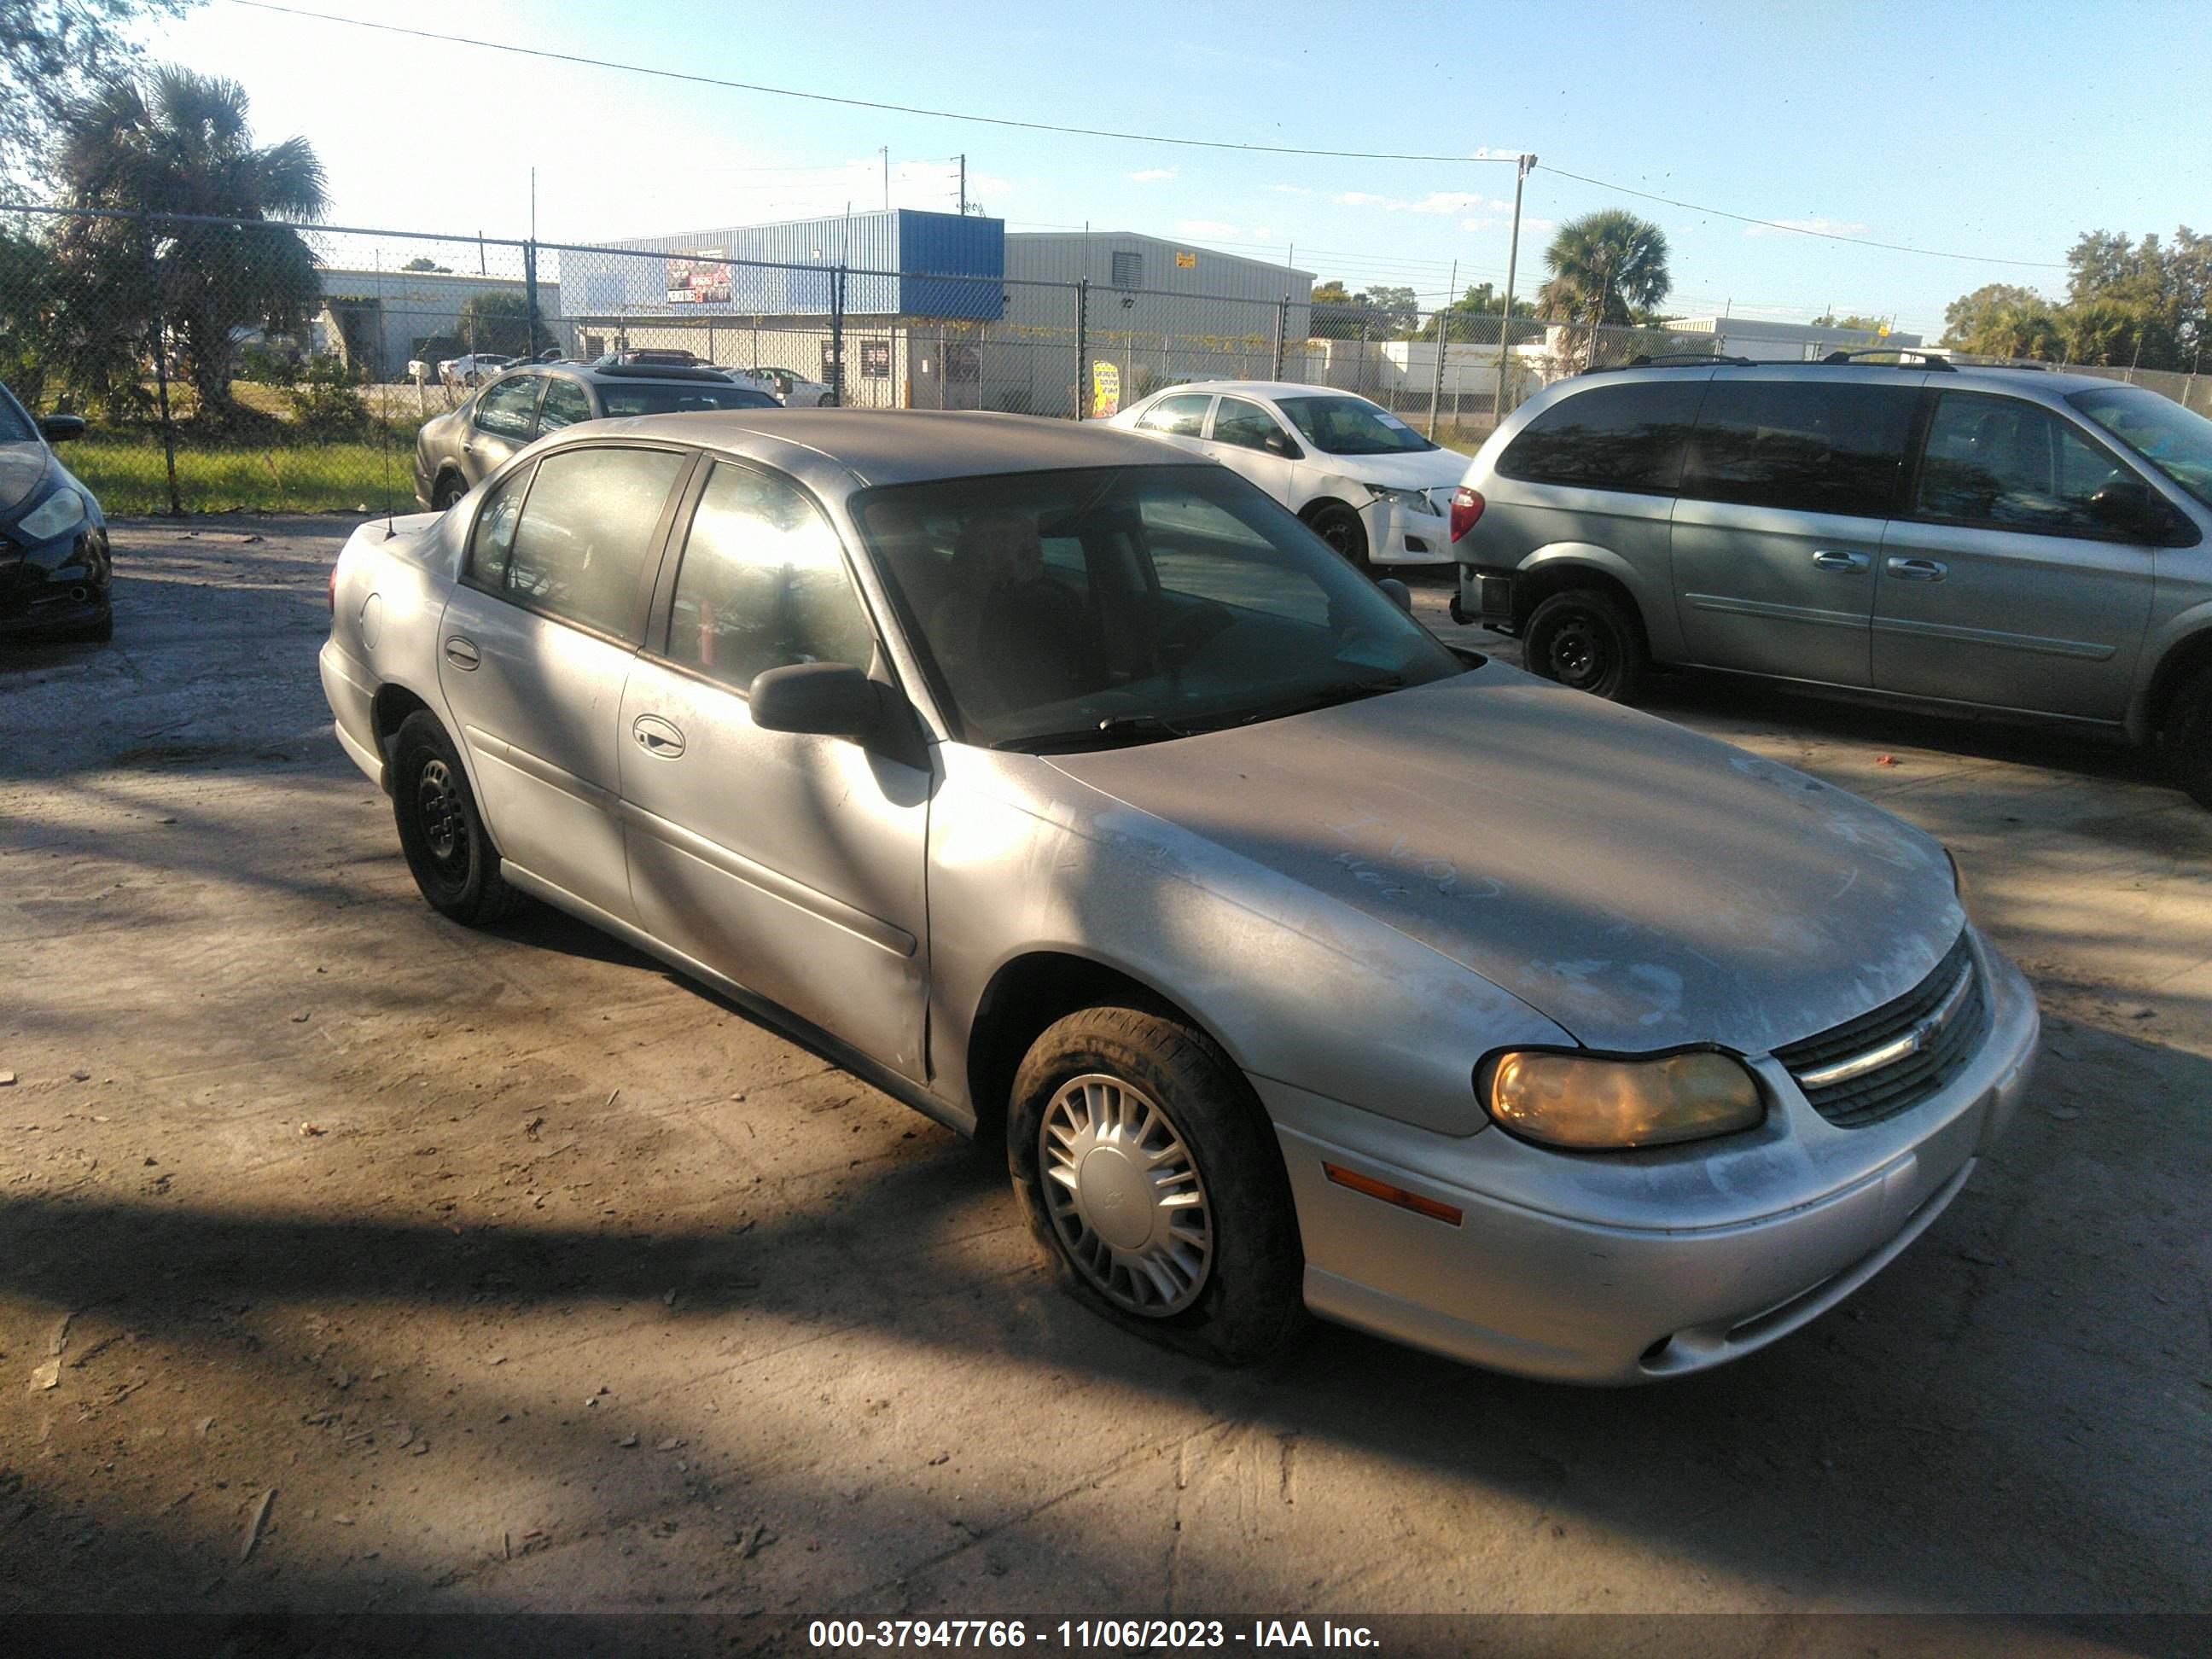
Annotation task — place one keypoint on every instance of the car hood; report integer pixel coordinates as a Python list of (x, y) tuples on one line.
[(1639, 884), (1424, 469), (23, 470)]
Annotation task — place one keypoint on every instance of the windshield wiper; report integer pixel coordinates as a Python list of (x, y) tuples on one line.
[(1320, 696), (1112, 733)]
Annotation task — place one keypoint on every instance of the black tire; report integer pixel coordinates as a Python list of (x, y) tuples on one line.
[(448, 489), (448, 851), (1587, 640), (1246, 1298), (2185, 738), (1340, 526)]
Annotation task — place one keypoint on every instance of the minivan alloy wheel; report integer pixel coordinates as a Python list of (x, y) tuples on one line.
[(1125, 1195)]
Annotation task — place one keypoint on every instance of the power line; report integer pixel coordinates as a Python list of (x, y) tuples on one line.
[(1807, 230), (1109, 132)]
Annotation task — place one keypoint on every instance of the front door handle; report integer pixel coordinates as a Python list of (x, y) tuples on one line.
[(1846, 563), (657, 737), (1918, 570), (461, 652)]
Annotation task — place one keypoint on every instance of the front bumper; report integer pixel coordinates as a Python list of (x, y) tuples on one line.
[(54, 585), (1576, 1292), (1398, 535)]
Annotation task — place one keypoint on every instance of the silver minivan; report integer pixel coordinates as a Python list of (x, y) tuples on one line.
[(1976, 539)]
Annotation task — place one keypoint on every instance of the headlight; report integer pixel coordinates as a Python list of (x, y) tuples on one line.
[(59, 513), (1578, 1100), (1412, 500)]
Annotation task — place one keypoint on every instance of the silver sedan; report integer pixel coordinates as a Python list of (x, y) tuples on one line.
[(1074, 793)]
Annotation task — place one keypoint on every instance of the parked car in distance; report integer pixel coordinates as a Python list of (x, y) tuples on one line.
[(1065, 786), (472, 369), (1986, 541), (54, 569), (793, 390), (455, 450), (1366, 481)]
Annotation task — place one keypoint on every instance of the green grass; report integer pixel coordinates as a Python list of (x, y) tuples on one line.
[(126, 471)]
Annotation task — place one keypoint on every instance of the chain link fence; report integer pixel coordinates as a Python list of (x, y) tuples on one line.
[(235, 366)]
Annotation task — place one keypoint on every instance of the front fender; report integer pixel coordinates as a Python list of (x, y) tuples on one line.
[(1293, 984)]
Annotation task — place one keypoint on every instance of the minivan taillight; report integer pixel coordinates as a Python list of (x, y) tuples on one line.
[(1467, 507)]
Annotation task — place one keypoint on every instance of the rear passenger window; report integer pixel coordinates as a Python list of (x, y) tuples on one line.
[(580, 545), (763, 584), (1804, 445), (566, 404), (1185, 416), (494, 538), (2004, 461), (1610, 437), (510, 407)]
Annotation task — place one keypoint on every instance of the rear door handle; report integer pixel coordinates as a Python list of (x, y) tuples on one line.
[(657, 737), (461, 652), (1846, 563), (1918, 570)]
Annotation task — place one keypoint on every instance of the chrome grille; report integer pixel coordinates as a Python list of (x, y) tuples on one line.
[(1845, 1073)]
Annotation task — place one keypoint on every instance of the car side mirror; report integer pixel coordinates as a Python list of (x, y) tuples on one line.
[(2128, 506), (821, 699), (60, 428), (1400, 595), (1279, 443)]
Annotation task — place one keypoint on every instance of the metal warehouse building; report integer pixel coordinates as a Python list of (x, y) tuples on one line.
[(940, 311)]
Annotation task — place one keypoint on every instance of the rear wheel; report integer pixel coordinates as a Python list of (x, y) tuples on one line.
[(1589, 641), (449, 488), (1153, 1186), (448, 850), (2185, 739), (1340, 526)]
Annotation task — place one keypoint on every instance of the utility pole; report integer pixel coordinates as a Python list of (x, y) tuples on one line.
[(963, 184), (887, 178), (1436, 385), (1505, 323)]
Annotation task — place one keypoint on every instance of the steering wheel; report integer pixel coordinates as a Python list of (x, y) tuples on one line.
[(1191, 632)]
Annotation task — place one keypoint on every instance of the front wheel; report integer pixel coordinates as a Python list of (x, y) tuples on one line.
[(2185, 739), (441, 831), (1587, 640), (1153, 1186), (1340, 526)]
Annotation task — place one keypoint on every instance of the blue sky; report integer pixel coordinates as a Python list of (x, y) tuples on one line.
[(1987, 129)]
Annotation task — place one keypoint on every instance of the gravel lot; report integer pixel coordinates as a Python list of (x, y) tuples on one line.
[(526, 1276)]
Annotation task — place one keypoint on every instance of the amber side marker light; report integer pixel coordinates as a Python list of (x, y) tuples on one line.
[(1447, 1213)]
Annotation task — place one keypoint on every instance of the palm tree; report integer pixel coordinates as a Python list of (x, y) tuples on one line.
[(175, 142), (1606, 266)]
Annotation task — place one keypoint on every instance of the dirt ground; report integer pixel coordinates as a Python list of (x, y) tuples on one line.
[(350, 1260)]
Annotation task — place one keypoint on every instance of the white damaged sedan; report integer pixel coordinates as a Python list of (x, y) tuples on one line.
[(1071, 790)]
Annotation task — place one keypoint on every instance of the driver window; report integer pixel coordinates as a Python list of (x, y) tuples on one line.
[(1244, 424)]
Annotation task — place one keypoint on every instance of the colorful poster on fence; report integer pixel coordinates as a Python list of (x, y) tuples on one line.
[(1105, 390)]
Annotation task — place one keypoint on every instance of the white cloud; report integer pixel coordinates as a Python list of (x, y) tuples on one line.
[(1364, 199), (1817, 227), (1150, 175), (1290, 190)]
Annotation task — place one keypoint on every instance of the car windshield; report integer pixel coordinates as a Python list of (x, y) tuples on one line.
[(1351, 426), (1085, 609), (2177, 441), (15, 427), (674, 398)]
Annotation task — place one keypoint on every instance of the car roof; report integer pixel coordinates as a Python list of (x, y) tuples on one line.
[(1940, 374), (838, 450), (1261, 389)]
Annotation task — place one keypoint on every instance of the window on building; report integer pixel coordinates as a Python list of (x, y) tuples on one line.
[(1809, 446), (1129, 271), (1610, 437), (763, 584), (875, 359), (584, 533)]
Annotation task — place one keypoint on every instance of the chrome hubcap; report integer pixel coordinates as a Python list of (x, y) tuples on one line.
[(440, 806), (1125, 1196)]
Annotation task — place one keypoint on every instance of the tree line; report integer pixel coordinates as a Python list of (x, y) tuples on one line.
[(2129, 304)]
